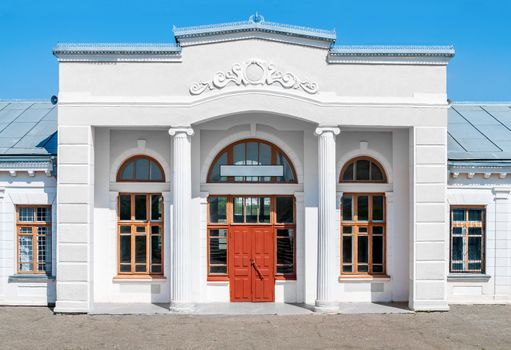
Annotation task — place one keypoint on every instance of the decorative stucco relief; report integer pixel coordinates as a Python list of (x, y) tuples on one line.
[(254, 72)]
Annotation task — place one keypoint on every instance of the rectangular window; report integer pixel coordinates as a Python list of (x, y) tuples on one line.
[(217, 251), (467, 239), (363, 234), (33, 230), (140, 229)]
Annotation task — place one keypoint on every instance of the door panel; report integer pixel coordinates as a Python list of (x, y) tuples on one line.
[(252, 263)]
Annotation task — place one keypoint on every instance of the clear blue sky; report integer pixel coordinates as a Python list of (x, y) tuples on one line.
[(479, 29)]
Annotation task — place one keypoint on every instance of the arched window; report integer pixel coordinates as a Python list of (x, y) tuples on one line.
[(243, 160), (140, 169), (363, 169)]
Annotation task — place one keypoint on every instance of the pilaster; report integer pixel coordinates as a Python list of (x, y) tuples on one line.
[(502, 244)]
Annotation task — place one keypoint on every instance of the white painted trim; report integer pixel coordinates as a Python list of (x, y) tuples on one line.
[(295, 160)]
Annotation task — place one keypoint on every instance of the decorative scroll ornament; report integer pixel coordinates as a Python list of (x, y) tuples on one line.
[(254, 72)]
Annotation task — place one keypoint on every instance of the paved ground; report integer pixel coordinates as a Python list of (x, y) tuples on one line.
[(464, 327)]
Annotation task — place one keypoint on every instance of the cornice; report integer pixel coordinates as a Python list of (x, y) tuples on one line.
[(377, 54), (117, 52)]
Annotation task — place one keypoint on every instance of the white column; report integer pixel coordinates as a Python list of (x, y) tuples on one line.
[(502, 244), (181, 276), (327, 233)]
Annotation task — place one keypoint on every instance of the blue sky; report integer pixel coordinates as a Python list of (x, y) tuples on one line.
[(479, 29)]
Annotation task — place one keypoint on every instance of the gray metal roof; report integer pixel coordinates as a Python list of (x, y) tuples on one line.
[(479, 132), (28, 128)]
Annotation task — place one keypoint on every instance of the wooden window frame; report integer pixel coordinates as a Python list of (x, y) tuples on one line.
[(230, 160), (35, 245), (353, 162), (370, 224), (466, 224), (230, 222), (134, 159), (148, 223)]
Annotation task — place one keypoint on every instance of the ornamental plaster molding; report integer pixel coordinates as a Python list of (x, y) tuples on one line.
[(181, 130), (254, 72)]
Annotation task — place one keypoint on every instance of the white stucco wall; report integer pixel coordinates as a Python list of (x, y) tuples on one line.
[(23, 189)]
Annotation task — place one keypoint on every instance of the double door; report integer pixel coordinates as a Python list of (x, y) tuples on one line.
[(252, 263)]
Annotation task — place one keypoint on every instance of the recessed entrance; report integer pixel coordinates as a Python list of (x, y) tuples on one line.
[(252, 263)]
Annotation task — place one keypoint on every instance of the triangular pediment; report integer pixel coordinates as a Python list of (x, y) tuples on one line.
[(254, 28)]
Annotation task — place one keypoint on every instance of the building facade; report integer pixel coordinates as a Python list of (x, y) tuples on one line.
[(256, 162)]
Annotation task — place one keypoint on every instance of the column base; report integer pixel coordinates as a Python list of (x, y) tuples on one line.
[(428, 305), (180, 306), (71, 307), (326, 307)]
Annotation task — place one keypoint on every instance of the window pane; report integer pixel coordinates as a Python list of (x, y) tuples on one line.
[(376, 174), (457, 266), (26, 214), (128, 173), (218, 233), (155, 174), (377, 230), (347, 249), (474, 231), (218, 210), (264, 210), (285, 232), (363, 208), (156, 269), (252, 153), (140, 249), (474, 266), (252, 208), (25, 252), (156, 207), (285, 251), (363, 249), (458, 214), (140, 207), (264, 154), (348, 173), (377, 249), (125, 207), (474, 248), (43, 230), (377, 268), (239, 154), (362, 167), (238, 210), (142, 169), (457, 231), (156, 250), (218, 251), (218, 269), (285, 211), (347, 229), (288, 172), (125, 249), (363, 268), (215, 172), (285, 269), (125, 230), (155, 230), (457, 248), (475, 215), (347, 268), (347, 208), (378, 208), (43, 214)]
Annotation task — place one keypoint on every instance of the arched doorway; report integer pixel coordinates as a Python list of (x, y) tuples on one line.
[(251, 237)]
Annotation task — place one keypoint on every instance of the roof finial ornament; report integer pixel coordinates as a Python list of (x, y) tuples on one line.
[(257, 18)]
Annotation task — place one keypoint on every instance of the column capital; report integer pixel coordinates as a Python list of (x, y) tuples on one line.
[(501, 192), (181, 129), (323, 129)]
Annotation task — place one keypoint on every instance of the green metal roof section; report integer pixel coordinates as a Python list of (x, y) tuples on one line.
[(28, 128), (479, 132)]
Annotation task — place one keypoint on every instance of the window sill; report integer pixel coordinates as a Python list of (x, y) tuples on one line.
[(30, 278), (363, 278), (215, 278), (140, 278), (468, 277), (285, 278)]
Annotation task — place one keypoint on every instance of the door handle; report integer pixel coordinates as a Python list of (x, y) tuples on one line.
[(254, 264)]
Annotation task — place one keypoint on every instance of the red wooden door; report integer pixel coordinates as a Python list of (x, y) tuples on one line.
[(252, 263)]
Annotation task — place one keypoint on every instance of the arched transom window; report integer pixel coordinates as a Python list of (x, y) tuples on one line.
[(141, 168), (252, 160), (363, 169)]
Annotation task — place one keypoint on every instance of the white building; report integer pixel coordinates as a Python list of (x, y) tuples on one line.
[(255, 162)]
